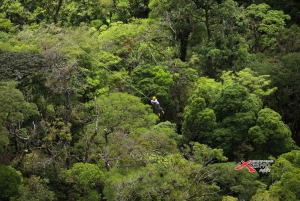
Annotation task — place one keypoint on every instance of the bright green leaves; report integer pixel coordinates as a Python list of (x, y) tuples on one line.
[(162, 77), (256, 84), (14, 12), (75, 12), (85, 181), (121, 112), (265, 25), (202, 154), (123, 133), (129, 42), (5, 24)]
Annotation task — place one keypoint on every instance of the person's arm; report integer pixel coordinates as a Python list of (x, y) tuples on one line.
[(154, 101)]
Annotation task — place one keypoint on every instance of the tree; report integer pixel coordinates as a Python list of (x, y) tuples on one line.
[(10, 180), (17, 66), (240, 184), (289, 7), (168, 178), (125, 10), (181, 18), (129, 152), (84, 180), (35, 188), (14, 112), (154, 81), (15, 12), (288, 40), (270, 135), (285, 179), (265, 25), (117, 115), (132, 43), (122, 112), (74, 12), (257, 84), (285, 100), (199, 118), (5, 24), (235, 111), (44, 11), (184, 77), (225, 48)]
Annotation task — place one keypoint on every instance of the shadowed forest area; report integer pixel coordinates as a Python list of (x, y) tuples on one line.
[(76, 83)]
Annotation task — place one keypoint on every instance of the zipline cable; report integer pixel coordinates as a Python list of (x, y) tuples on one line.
[(75, 44)]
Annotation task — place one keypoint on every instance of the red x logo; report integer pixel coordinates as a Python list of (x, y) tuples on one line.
[(245, 164)]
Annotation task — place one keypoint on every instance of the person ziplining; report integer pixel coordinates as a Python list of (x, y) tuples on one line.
[(157, 106)]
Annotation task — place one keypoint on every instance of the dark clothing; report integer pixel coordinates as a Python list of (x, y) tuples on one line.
[(155, 103), (158, 108)]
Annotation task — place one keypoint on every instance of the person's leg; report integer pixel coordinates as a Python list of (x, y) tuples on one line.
[(157, 109), (161, 109)]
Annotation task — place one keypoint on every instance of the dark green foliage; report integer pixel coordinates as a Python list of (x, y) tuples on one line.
[(9, 182), (236, 112), (154, 81), (241, 183), (285, 100), (19, 65), (271, 135)]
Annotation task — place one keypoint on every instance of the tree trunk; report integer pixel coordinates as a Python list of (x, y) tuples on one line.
[(184, 36), (55, 17)]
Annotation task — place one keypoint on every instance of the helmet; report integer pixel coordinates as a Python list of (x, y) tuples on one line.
[(153, 98)]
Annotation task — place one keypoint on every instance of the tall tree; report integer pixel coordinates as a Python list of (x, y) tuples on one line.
[(265, 25), (285, 100), (14, 112), (10, 180), (170, 177), (284, 178), (199, 118)]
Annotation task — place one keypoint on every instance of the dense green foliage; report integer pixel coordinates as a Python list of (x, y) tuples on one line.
[(77, 77)]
